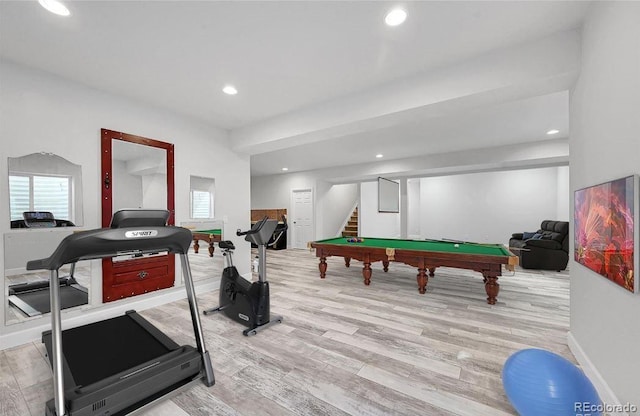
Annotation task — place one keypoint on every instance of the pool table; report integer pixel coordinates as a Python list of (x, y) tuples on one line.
[(423, 254), (210, 236)]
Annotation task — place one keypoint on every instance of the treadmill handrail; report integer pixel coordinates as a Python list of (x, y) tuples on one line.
[(110, 242)]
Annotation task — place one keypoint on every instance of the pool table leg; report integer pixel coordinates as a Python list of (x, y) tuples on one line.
[(211, 248), (385, 265), (347, 261), (492, 287), (196, 246), (432, 271), (366, 273), (422, 280), (323, 267)]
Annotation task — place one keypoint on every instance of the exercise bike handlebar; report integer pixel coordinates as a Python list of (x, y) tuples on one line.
[(256, 228)]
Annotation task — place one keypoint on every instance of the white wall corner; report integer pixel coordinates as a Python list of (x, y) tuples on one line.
[(606, 394)]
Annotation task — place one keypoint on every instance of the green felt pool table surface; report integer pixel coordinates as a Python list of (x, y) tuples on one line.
[(426, 255), (427, 245), (216, 231)]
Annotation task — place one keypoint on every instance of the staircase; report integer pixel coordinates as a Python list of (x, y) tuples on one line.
[(351, 229)]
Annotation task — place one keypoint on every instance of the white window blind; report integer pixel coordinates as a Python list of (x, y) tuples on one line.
[(201, 204), (202, 197), (19, 196), (40, 193)]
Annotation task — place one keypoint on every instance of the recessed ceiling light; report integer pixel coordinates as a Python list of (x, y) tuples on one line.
[(395, 17), (285, 169), (379, 155), (553, 131), (230, 90), (55, 6)]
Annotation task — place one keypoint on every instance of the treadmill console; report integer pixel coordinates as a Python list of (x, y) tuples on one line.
[(39, 219), (140, 218)]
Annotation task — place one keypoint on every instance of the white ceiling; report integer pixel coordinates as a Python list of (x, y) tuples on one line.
[(459, 131), (289, 58)]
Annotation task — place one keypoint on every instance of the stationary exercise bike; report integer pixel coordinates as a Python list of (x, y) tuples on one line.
[(241, 300)]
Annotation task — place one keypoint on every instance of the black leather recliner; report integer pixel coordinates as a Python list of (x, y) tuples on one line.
[(547, 249)]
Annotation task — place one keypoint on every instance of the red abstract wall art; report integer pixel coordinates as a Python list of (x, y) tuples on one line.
[(604, 230)]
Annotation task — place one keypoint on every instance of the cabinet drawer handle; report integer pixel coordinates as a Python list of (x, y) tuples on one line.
[(142, 274)]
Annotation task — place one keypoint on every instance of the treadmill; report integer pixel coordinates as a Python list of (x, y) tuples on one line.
[(124, 364), (32, 299)]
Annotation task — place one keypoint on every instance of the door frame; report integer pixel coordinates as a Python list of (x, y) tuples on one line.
[(293, 215)]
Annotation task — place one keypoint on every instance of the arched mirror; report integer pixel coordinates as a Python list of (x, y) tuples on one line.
[(45, 201), (137, 172), (44, 184)]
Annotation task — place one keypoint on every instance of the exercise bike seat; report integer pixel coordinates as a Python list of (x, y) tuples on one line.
[(226, 245)]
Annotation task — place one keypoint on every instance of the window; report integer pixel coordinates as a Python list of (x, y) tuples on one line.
[(47, 182), (201, 204), (202, 197), (40, 193)]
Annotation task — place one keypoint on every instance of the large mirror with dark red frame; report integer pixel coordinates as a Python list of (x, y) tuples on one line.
[(137, 172)]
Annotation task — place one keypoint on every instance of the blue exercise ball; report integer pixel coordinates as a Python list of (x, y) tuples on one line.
[(541, 383)]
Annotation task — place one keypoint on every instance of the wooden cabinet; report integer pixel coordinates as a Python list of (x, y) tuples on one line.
[(127, 278)]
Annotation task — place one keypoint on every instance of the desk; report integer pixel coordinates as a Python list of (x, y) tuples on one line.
[(423, 254), (210, 236)]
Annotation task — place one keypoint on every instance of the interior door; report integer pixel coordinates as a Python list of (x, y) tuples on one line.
[(137, 172), (302, 220)]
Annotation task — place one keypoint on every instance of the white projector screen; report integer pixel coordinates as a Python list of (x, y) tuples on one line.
[(388, 195)]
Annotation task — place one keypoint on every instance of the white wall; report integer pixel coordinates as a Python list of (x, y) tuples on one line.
[(564, 194), (20, 247), (41, 112), (129, 187), (154, 191), (605, 145), (333, 203), (489, 206), (372, 222), (413, 208), (274, 191), (339, 201)]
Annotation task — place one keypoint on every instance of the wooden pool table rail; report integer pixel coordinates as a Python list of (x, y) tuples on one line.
[(489, 266), (205, 236)]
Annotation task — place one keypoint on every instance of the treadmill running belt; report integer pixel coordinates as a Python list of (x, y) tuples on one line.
[(102, 349), (39, 299)]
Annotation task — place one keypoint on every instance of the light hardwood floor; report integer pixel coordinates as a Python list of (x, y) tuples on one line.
[(345, 348)]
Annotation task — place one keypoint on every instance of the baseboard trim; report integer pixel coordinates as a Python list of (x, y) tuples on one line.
[(606, 394), (87, 316)]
